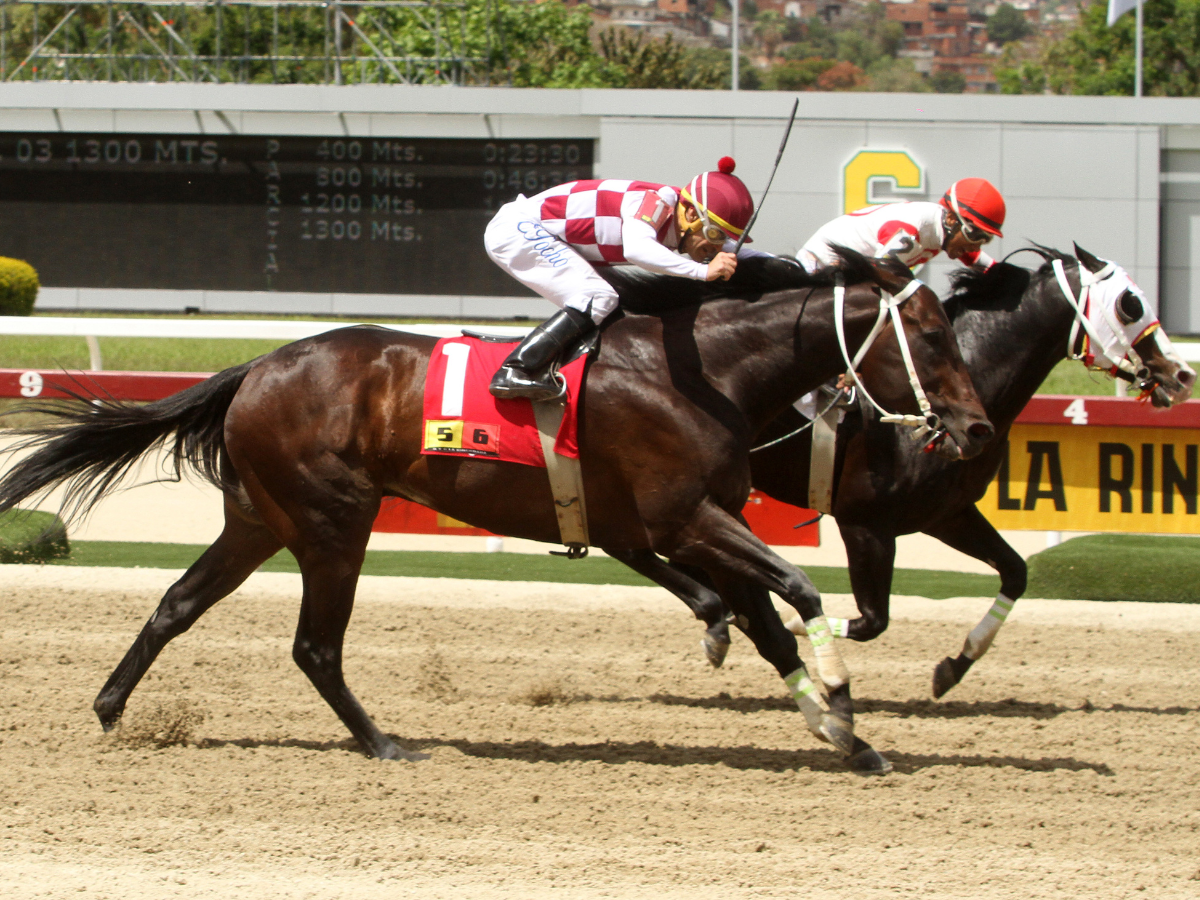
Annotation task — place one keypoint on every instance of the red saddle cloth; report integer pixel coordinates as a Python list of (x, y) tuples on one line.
[(463, 419)]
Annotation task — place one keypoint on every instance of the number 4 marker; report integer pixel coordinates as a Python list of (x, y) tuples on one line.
[(1076, 412)]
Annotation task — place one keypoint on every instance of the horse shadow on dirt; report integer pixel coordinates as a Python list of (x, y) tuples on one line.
[(903, 709), (922, 708), (816, 759)]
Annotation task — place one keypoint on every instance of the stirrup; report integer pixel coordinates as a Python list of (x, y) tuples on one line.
[(573, 551)]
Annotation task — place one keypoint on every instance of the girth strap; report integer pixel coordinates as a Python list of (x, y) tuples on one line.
[(566, 479)]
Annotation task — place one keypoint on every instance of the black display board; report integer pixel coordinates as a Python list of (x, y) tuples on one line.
[(354, 215)]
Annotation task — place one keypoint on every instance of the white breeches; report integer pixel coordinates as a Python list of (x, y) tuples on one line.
[(517, 243)]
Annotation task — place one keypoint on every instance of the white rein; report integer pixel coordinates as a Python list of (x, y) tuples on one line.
[(928, 420)]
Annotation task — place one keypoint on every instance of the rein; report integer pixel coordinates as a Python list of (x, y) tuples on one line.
[(928, 420), (1129, 361), (791, 434)]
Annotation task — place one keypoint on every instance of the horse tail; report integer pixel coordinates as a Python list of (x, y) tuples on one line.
[(89, 449)]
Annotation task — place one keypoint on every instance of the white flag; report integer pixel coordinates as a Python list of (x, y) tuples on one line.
[(1118, 8)]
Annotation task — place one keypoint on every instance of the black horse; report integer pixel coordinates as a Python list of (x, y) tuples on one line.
[(1013, 326)]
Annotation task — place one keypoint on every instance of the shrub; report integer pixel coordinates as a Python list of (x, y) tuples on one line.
[(18, 287), (30, 536)]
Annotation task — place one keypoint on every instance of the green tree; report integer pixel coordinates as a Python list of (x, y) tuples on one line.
[(658, 63), (1008, 24), (769, 28), (896, 75), (1096, 59), (947, 81), (796, 74)]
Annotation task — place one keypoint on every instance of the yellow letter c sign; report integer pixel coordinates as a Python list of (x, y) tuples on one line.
[(869, 166)]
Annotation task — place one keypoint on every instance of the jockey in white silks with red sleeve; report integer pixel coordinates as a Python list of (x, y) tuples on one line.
[(553, 242), (969, 215)]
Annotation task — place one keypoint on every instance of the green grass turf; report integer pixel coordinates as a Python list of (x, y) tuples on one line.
[(1119, 567), (121, 354), (507, 567)]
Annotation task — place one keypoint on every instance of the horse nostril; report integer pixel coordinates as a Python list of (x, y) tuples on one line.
[(981, 431)]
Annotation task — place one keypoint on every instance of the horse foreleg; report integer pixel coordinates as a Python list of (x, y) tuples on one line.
[(241, 548), (732, 555), (972, 534), (686, 583), (870, 559)]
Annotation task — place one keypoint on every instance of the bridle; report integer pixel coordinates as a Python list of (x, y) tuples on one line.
[(1129, 361), (928, 421)]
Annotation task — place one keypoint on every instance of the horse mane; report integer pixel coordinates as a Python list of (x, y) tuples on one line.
[(645, 293), (1000, 287)]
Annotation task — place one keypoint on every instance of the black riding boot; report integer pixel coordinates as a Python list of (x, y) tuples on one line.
[(528, 371)]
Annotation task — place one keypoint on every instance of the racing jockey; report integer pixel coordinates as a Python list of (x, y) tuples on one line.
[(969, 215), (554, 241)]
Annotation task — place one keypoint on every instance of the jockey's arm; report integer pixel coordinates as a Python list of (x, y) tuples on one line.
[(643, 250), (977, 259)]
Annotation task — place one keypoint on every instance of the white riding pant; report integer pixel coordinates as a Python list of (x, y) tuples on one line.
[(517, 243)]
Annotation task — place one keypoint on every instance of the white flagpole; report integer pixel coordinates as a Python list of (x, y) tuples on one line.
[(1137, 76), (736, 4)]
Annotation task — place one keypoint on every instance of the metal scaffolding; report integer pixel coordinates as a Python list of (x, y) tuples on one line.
[(253, 41)]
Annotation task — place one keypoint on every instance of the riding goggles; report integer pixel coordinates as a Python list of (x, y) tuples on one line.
[(714, 234), (972, 232)]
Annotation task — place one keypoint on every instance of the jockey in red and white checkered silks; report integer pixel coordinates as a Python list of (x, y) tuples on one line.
[(553, 242)]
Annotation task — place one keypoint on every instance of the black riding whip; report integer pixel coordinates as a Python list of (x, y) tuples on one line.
[(778, 156)]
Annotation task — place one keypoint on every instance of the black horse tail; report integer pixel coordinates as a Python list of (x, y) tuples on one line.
[(90, 449)]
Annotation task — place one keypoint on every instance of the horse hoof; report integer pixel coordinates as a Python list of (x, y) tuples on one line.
[(715, 650), (868, 761), (948, 673), (394, 752), (838, 732)]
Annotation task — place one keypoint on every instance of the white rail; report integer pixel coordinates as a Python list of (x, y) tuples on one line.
[(91, 328)]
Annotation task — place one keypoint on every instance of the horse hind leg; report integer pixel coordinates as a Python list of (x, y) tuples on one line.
[(240, 549)]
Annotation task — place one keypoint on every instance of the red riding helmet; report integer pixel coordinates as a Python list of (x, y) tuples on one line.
[(976, 200), (721, 199)]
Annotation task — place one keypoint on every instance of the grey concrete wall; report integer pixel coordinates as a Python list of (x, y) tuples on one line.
[(1080, 169)]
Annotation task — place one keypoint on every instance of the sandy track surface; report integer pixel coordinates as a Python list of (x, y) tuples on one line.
[(1064, 766)]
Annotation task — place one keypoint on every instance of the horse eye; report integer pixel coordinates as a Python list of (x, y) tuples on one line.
[(1129, 308), (933, 336)]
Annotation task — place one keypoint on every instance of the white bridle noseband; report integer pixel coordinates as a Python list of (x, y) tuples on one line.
[(928, 420)]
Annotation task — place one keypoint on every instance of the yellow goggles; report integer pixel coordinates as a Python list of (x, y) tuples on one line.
[(714, 234)]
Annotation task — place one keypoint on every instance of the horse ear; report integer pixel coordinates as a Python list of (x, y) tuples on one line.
[(1092, 263)]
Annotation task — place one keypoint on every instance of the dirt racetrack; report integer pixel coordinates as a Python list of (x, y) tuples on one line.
[(582, 748)]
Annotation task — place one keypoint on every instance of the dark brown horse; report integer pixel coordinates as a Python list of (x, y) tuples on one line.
[(304, 443), (1013, 326)]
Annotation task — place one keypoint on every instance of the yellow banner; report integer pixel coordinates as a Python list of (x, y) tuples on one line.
[(1072, 478)]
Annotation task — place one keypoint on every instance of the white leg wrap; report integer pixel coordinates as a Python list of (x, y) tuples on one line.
[(808, 698), (830, 667), (839, 628), (985, 632)]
